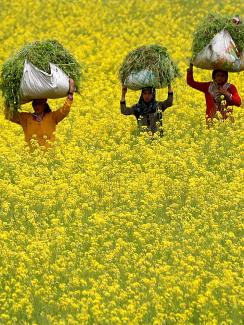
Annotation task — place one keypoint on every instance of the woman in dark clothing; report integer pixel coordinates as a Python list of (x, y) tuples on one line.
[(147, 111)]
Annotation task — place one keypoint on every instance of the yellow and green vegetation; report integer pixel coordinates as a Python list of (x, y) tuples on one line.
[(109, 226), (40, 54), (212, 25), (154, 59)]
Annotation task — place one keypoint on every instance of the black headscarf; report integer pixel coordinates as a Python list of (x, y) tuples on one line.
[(143, 108), (47, 108)]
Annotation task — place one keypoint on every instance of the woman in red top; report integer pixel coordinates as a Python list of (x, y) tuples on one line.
[(219, 94)]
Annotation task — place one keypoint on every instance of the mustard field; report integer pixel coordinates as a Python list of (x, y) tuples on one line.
[(110, 226)]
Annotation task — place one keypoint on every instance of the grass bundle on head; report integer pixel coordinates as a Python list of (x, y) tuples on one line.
[(153, 58), (39, 54), (212, 25)]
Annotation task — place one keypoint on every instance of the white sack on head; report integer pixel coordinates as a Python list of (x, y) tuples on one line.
[(37, 84), (221, 53), (141, 79), (242, 61)]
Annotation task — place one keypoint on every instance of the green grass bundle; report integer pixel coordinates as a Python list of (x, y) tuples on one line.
[(212, 25), (39, 54), (152, 58)]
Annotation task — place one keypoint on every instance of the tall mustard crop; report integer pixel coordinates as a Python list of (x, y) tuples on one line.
[(109, 226)]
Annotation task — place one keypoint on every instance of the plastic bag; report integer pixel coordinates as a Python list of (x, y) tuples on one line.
[(221, 53), (141, 79), (242, 61), (36, 84)]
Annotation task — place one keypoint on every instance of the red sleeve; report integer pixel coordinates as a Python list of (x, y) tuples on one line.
[(202, 86), (236, 99)]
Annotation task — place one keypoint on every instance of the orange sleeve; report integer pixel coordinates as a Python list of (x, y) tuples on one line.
[(62, 112), (16, 117)]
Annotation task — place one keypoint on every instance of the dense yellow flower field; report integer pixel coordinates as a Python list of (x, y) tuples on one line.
[(112, 227)]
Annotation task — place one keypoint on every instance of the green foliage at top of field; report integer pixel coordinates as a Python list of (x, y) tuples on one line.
[(213, 24)]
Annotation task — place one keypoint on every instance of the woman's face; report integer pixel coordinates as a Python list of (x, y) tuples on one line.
[(39, 105), (220, 78), (147, 96)]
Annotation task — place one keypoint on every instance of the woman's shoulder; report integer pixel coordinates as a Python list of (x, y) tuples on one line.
[(232, 86), (25, 115)]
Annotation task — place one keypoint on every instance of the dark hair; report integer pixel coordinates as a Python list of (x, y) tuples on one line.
[(218, 70), (47, 108), (152, 91)]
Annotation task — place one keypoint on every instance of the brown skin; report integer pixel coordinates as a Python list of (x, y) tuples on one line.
[(123, 94), (39, 104), (220, 79), (146, 94)]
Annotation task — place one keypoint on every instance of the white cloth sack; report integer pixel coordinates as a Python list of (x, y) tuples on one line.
[(37, 84), (221, 53), (141, 79)]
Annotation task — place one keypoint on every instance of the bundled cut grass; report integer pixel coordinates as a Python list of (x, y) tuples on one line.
[(212, 25), (154, 58), (40, 54)]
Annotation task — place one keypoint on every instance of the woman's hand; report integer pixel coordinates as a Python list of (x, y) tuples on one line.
[(223, 91), (124, 91), (170, 89), (71, 86), (190, 68)]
